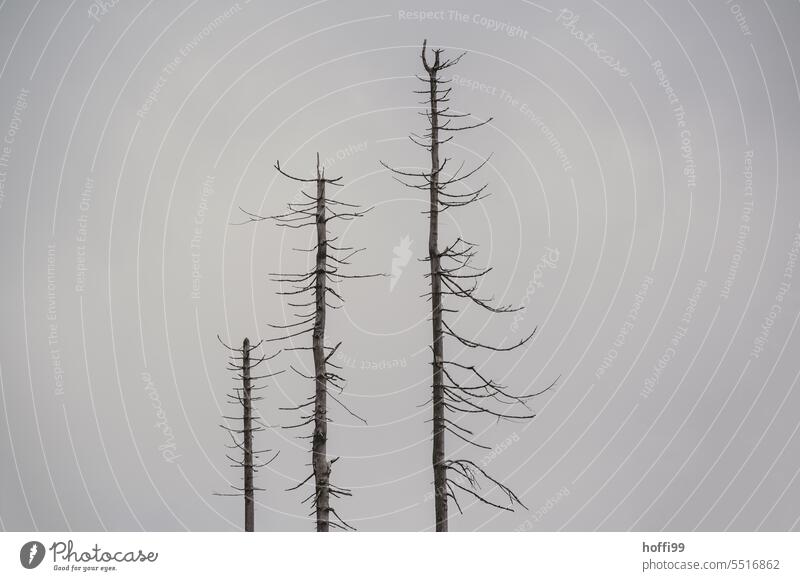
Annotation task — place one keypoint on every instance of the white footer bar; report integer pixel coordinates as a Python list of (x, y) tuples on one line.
[(376, 556)]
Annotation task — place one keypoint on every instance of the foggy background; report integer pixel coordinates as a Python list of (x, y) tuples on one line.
[(644, 212)]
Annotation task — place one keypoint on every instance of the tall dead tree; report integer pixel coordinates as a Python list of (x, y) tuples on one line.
[(457, 388), (242, 363), (317, 289)]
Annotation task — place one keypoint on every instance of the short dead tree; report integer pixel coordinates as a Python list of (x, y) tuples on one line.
[(312, 293), (241, 429), (459, 389)]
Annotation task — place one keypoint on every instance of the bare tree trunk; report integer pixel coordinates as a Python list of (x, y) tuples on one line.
[(320, 438), (457, 387), (317, 286), (249, 517), (439, 467), (242, 364)]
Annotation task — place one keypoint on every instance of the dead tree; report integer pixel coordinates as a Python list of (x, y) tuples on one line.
[(241, 363), (317, 289), (457, 388)]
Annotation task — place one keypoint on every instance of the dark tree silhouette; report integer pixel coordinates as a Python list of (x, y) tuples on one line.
[(314, 291), (241, 363), (457, 388)]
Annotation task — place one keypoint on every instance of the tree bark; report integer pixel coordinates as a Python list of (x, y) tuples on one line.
[(319, 458), (439, 468), (249, 516)]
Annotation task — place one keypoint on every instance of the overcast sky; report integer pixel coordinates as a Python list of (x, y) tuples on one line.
[(644, 213)]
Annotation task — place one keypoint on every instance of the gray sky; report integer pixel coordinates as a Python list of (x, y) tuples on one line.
[(644, 211)]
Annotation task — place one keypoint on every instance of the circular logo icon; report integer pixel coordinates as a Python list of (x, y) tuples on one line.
[(31, 554)]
